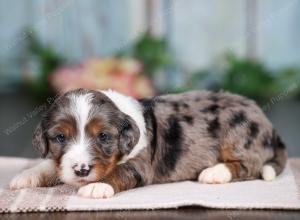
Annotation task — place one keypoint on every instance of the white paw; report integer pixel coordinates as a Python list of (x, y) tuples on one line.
[(268, 173), (216, 174), (26, 179), (96, 191)]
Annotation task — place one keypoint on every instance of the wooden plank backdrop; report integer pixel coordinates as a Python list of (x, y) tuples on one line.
[(200, 30)]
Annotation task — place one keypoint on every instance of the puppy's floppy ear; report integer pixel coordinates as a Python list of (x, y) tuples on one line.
[(129, 135), (39, 140)]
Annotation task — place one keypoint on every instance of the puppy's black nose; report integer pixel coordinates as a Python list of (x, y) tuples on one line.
[(82, 171)]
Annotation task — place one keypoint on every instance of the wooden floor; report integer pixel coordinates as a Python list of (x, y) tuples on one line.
[(178, 214)]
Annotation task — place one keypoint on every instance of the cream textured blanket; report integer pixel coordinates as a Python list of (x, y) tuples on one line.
[(283, 193)]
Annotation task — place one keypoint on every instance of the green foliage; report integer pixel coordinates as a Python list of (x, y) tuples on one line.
[(47, 60), (289, 79), (248, 77), (206, 79), (151, 51)]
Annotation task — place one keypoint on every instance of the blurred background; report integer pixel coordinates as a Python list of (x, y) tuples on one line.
[(144, 48)]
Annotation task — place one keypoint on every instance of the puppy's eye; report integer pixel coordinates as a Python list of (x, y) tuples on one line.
[(60, 138), (103, 137)]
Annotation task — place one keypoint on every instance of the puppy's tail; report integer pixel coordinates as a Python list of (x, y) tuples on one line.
[(275, 165)]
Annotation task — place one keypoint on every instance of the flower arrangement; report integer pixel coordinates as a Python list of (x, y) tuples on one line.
[(122, 74), (129, 71)]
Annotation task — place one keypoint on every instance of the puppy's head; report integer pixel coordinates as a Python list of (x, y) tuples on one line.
[(86, 134)]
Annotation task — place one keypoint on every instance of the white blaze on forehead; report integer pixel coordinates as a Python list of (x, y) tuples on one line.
[(81, 107), (131, 107), (78, 152)]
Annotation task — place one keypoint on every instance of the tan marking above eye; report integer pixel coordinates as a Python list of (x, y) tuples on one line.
[(66, 127), (94, 127)]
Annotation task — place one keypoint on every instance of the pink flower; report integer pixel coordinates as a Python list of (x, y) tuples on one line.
[(123, 75)]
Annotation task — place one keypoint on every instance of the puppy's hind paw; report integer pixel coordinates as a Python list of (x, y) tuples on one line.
[(216, 174), (268, 173)]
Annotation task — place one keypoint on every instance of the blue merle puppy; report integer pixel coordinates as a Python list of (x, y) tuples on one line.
[(105, 142)]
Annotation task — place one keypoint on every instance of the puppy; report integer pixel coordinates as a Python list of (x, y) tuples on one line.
[(105, 142)]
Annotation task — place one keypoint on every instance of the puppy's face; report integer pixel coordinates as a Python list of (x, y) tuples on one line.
[(86, 134)]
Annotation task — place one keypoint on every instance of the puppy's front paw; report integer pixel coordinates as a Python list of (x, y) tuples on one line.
[(216, 174), (96, 191), (26, 179)]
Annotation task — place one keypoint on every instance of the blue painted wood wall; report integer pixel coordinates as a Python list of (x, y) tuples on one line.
[(200, 30)]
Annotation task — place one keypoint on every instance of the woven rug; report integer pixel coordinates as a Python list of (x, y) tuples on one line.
[(283, 193)]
